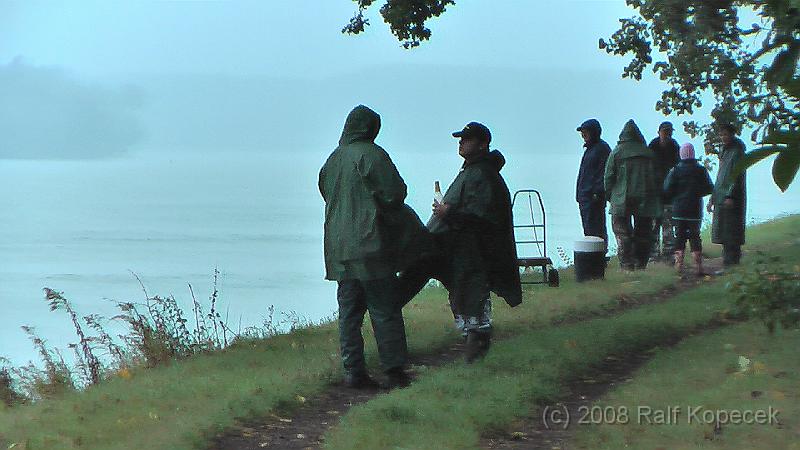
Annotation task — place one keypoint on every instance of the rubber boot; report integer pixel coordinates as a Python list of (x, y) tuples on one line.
[(679, 261), (698, 263)]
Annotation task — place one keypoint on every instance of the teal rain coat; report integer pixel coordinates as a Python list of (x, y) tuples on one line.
[(479, 222), (630, 179), (369, 231), (728, 223)]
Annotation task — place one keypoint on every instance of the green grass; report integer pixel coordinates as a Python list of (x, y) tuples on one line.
[(180, 406), (451, 407), (759, 236), (704, 371)]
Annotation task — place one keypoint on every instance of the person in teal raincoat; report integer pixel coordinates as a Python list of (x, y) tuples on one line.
[(634, 194), (370, 235), (729, 200)]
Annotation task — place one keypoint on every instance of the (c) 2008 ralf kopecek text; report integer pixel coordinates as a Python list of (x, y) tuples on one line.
[(560, 416)]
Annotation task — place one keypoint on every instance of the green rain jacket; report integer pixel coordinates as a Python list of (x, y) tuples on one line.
[(630, 178), (728, 223), (479, 220), (370, 233)]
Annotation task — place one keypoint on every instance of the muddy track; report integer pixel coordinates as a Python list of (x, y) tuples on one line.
[(540, 431), (305, 426)]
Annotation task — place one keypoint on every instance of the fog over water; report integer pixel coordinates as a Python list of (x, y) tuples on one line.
[(131, 143)]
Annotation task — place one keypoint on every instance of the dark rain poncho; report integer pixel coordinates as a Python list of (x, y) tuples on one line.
[(479, 222), (728, 223), (630, 178), (370, 233)]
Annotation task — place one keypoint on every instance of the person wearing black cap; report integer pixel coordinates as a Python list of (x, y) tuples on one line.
[(666, 156), (729, 200), (473, 230), (590, 193)]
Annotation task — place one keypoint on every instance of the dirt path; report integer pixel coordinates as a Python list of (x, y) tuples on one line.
[(305, 427), (540, 431)]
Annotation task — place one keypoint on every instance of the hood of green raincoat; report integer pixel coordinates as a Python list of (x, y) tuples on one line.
[(362, 125), (497, 159), (631, 133)]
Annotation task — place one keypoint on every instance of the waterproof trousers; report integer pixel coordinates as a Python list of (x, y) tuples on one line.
[(593, 218), (664, 244), (731, 254), (380, 298), (633, 241)]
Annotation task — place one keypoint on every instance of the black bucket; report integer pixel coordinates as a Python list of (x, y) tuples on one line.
[(590, 259)]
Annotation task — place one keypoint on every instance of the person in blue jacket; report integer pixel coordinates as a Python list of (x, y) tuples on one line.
[(590, 193)]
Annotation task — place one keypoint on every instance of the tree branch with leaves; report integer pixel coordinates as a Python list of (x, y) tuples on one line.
[(701, 47), (406, 18)]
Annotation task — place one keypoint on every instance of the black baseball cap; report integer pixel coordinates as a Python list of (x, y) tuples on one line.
[(665, 126), (474, 130)]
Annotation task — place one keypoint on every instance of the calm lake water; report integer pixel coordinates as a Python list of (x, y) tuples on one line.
[(83, 227)]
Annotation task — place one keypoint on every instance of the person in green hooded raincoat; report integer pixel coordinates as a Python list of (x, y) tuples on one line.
[(729, 200), (634, 193), (473, 231), (370, 235)]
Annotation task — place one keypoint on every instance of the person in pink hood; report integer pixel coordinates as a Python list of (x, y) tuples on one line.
[(685, 186)]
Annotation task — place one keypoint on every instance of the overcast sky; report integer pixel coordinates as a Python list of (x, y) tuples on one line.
[(238, 74), (290, 38)]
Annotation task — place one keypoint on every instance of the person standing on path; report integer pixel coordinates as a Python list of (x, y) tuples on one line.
[(370, 234), (729, 200), (685, 186), (473, 230), (590, 192), (665, 150), (630, 182)]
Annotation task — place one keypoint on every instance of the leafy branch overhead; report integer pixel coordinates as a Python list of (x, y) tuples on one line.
[(703, 47), (700, 48), (406, 18)]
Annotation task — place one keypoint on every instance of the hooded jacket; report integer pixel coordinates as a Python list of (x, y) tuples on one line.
[(480, 220), (593, 165), (728, 223), (369, 231), (630, 177), (684, 188)]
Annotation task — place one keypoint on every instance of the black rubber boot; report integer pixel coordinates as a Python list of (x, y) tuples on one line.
[(477, 345), (359, 380), (396, 378)]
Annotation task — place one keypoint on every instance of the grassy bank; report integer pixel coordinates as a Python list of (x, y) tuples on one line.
[(705, 371), (451, 407), (454, 406), (180, 405)]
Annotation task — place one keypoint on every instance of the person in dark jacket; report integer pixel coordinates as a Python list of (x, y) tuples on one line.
[(473, 230), (365, 218), (729, 200), (630, 183), (684, 188), (590, 193), (665, 151)]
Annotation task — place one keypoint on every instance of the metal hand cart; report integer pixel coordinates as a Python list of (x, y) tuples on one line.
[(530, 236)]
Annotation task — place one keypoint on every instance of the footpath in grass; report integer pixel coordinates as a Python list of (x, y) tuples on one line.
[(735, 388), (184, 405), (454, 406)]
